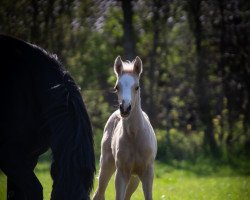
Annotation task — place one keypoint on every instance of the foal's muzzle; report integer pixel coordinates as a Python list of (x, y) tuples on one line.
[(125, 110)]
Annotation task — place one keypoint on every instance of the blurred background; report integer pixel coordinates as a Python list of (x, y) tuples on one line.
[(195, 85), (196, 77)]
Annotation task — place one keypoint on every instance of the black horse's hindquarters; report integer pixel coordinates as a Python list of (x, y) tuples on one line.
[(42, 107)]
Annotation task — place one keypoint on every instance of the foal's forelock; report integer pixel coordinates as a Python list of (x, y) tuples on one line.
[(127, 66)]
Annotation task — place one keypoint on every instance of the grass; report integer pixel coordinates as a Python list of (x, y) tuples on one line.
[(173, 184), (185, 182), (181, 184), (2, 186)]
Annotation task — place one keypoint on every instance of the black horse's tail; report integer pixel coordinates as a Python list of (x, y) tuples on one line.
[(73, 164), (53, 111)]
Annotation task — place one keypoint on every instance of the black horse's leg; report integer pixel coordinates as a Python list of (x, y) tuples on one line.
[(54, 174), (21, 175), (13, 191)]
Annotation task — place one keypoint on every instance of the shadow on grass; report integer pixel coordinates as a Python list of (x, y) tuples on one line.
[(46, 157), (44, 162)]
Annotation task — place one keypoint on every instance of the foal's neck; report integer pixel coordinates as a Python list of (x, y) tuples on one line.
[(134, 122)]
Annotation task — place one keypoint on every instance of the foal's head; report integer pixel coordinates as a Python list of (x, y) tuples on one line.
[(127, 84)]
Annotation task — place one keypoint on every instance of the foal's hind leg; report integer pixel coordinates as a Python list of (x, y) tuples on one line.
[(132, 185)]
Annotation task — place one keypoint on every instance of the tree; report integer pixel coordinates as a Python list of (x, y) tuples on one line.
[(202, 83), (129, 38)]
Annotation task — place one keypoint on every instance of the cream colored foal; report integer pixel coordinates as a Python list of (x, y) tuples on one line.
[(129, 144)]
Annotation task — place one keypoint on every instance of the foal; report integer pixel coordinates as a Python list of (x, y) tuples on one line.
[(129, 144)]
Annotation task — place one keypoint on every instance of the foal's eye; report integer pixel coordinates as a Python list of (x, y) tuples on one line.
[(137, 88)]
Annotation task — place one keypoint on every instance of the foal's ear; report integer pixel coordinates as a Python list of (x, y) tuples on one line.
[(118, 66), (137, 66)]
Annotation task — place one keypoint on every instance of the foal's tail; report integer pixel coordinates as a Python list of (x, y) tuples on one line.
[(73, 164)]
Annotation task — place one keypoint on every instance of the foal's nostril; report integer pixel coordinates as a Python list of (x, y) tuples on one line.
[(121, 108), (129, 108), (124, 111)]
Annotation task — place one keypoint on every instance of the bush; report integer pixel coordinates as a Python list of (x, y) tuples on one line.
[(178, 146)]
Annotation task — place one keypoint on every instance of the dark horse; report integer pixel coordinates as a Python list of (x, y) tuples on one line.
[(41, 108)]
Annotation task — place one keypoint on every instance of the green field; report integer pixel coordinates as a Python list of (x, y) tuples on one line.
[(175, 183), (183, 182), (2, 186), (170, 183)]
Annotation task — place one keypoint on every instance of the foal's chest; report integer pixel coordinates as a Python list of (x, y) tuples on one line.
[(133, 152)]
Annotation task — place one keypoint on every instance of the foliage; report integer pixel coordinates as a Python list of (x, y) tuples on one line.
[(195, 82), (180, 146)]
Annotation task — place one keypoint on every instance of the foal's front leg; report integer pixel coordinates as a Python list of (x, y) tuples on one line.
[(147, 182), (121, 182), (106, 171)]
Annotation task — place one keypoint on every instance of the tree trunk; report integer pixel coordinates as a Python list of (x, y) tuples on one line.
[(35, 24), (202, 86), (153, 62), (48, 26), (129, 39)]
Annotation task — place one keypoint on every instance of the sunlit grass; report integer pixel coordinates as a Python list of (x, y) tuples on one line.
[(43, 173), (171, 184), (3, 180)]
